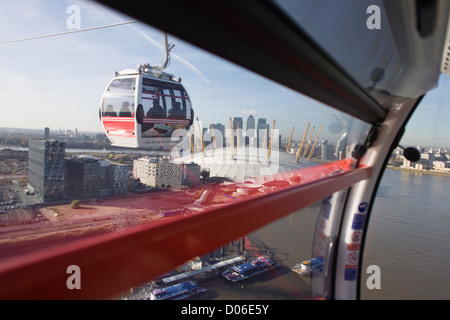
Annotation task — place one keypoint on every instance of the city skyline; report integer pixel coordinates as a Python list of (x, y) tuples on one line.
[(221, 126), (58, 82)]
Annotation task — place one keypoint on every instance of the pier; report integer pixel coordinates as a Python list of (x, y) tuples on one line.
[(198, 275)]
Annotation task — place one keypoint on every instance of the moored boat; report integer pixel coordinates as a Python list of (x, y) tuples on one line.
[(308, 267), (177, 292), (249, 269)]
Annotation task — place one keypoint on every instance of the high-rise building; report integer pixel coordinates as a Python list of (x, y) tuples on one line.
[(82, 177), (120, 178), (219, 137), (46, 168), (250, 123), (237, 121), (46, 133), (324, 150), (250, 133), (339, 151), (262, 127)]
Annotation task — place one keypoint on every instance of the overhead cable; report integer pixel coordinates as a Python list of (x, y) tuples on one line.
[(69, 32)]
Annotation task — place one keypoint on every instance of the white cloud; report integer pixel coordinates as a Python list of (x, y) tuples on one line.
[(249, 112)]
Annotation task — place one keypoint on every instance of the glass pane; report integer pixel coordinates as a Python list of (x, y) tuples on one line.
[(408, 232), (283, 139), (117, 106), (379, 36), (290, 258), (123, 86)]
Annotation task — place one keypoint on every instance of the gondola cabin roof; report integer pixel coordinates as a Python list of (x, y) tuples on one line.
[(148, 71)]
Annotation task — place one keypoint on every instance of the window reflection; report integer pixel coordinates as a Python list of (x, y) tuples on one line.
[(233, 151), (275, 250), (408, 229)]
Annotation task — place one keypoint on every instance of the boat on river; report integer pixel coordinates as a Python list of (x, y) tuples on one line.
[(246, 270), (308, 267), (177, 291)]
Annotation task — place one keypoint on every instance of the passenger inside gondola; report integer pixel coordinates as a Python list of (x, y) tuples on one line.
[(176, 111), (110, 111), (156, 111), (125, 110)]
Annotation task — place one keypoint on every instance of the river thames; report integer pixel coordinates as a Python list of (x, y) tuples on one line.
[(408, 238)]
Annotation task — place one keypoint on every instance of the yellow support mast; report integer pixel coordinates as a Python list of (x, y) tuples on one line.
[(315, 142), (201, 136), (309, 142), (301, 144), (290, 139)]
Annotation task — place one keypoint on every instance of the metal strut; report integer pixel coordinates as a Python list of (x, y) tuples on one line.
[(158, 70), (167, 49)]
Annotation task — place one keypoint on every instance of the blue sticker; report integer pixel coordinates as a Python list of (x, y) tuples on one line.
[(350, 274), (363, 207), (358, 221), (325, 209)]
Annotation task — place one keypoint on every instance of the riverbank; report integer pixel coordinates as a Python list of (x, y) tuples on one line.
[(417, 171)]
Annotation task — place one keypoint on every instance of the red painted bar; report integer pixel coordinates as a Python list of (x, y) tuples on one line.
[(113, 263)]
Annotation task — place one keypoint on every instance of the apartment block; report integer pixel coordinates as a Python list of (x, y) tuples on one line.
[(165, 175), (46, 167), (89, 177)]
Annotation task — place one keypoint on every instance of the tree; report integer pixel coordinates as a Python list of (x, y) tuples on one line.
[(75, 204)]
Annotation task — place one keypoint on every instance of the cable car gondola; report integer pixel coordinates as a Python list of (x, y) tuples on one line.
[(143, 108)]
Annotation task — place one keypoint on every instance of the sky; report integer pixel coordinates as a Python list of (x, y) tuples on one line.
[(429, 124), (58, 81)]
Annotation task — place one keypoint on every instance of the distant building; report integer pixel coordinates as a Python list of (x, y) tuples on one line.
[(120, 178), (82, 178), (46, 166), (324, 150), (106, 178), (250, 123), (237, 121), (339, 151), (88, 177), (262, 127), (219, 137), (165, 175), (46, 133), (250, 135)]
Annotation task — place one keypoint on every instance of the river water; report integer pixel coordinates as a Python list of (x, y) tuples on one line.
[(408, 238)]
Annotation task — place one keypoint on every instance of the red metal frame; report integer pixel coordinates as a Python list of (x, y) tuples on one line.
[(112, 263)]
